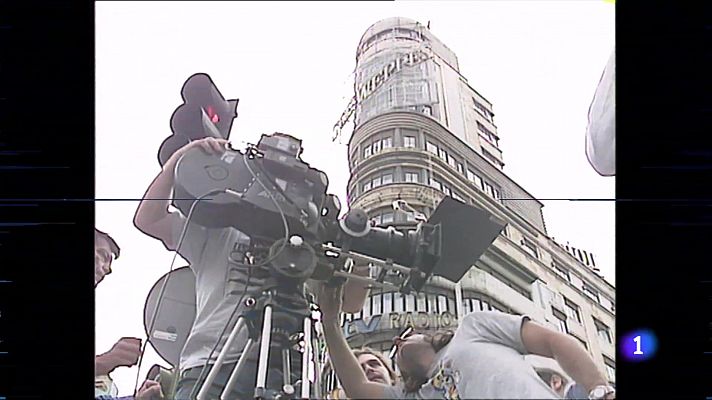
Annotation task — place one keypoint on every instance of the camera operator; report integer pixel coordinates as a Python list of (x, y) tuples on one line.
[(376, 368), (219, 282), (483, 358)]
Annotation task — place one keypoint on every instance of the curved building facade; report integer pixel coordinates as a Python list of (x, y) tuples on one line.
[(422, 133)]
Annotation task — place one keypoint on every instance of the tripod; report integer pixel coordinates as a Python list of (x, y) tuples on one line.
[(282, 312)]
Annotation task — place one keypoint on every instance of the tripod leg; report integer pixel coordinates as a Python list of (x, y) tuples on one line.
[(286, 367), (317, 367), (203, 393), (235, 372), (305, 357), (264, 351)]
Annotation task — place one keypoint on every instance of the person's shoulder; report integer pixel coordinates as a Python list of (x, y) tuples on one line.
[(396, 391), (488, 315), (489, 318)]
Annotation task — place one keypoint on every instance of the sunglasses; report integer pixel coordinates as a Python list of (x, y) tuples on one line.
[(402, 336)]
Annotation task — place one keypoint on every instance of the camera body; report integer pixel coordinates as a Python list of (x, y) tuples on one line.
[(254, 190)]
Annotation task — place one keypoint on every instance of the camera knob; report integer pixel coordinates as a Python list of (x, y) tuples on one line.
[(296, 241)]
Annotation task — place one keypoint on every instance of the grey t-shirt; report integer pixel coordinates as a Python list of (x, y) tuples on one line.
[(219, 283), (484, 360)]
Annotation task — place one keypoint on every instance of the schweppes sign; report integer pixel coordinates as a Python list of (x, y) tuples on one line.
[(404, 60)]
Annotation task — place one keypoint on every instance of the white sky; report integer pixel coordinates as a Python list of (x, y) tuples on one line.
[(291, 64)]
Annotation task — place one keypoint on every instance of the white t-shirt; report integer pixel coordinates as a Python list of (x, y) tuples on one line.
[(601, 129), (484, 360)]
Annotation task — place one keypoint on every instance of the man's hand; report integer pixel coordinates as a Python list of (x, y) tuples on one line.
[(124, 353), (209, 145), (330, 301), (150, 390)]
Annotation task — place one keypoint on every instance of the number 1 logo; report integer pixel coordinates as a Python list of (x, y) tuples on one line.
[(637, 346)]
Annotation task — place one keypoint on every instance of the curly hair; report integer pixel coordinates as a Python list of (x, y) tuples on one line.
[(438, 340), (327, 368), (379, 356)]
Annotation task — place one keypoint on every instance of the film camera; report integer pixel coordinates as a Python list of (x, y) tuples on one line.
[(282, 203)]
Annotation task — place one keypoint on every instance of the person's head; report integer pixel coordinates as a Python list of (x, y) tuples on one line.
[(105, 251), (415, 354), (375, 366), (555, 381)]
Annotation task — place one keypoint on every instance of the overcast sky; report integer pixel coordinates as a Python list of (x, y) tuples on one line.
[(291, 65)]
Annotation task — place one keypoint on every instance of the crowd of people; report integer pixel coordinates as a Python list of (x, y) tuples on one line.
[(482, 358)]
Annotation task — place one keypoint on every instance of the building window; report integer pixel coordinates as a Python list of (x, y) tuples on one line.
[(432, 303), (413, 177), (376, 182), (530, 247), (458, 197), (442, 153), (376, 146), (446, 190), (472, 177), (572, 310), (560, 320), (482, 110), (409, 141), (387, 142), (487, 134), (496, 195), (387, 178), (610, 369), (604, 332), (591, 292), (409, 302), (442, 304), (376, 220), (367, 186), (431, 147), (421, 302), (434, 183), (489, 189), (367, 151), (477, 305), (488, 156), (451, 160), (387, 303), (460, 168), (583, 343), (561, 271), (398, 302), (427, 110), (376, 308)]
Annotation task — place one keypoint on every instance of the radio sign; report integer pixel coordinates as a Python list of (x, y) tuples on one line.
[(398, 321), (408, 60)]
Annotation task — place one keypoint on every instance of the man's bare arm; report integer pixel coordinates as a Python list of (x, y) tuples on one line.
[(152, 216), (574, 360), (345, 364), (355, 292)]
